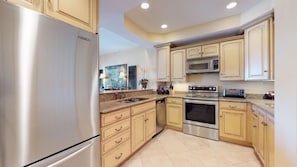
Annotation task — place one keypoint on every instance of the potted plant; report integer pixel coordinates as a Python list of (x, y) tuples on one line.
[(143, 83)]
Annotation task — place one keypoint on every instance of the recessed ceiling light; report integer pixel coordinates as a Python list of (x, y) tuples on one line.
[(231, 5), (164, 26), (145, 5)]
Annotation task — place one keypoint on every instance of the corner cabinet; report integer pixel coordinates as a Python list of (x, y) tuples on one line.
[(79, 13), (259, 57), (36, 5), (232, 60), (163, 64), (263, 136), (177, 58), (174, 109)]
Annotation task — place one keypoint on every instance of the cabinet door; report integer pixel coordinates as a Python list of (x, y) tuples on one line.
[(256, 52), (36, 5), (232, 60), (174, 115), (255, 131), (137, 131), (261, 138), (210, 50), (178, 65), (80, 13), (150, 124), (233, 124), (194, 52), (163, 64), (270, 141)]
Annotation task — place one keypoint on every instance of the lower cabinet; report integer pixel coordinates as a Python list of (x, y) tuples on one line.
[(263, 136), (233, 121), (174, 109), (115, 137), (143, 124)]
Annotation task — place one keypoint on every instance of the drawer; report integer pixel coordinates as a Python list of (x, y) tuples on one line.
[(114, 129), (143, 107), (233, 106), (174, 100), (117, 156), (112, 117), (115, 141)]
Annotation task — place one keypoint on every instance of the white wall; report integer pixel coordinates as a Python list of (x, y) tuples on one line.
[(258, 10), (286, 83), (251, 87), (144, 58)]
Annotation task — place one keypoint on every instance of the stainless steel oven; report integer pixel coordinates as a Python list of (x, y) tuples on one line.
[(201, 112)]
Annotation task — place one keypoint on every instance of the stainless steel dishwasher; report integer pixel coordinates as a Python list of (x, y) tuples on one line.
[(160, 115)]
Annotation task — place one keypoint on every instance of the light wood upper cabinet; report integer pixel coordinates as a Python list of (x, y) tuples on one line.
[(36, 5), (259, 51), (203, 51), (163, 64), (80, 13), (232, 60), (178, 65), (233, 120), (174, 110)]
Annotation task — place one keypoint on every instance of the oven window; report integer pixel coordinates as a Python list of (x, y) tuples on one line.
[(204, 113)]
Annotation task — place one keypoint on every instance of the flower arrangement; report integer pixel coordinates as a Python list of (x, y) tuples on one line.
[(143, 81)]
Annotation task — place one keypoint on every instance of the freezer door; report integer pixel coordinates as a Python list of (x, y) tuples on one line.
[(83, 155)]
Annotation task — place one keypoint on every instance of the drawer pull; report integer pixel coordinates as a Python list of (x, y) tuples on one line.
[(230, 106), (264, 124), (118, 157), (146, 119), (118, 129), (119, 141), (118, 117)]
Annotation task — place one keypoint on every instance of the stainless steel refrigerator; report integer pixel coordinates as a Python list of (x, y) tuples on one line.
[(49, 106)]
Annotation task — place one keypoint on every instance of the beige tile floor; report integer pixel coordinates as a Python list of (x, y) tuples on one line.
[(175, 149)]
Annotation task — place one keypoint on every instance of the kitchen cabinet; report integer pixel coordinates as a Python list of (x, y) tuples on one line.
[(143, 124), (203, 51), (263, 136), (232, 60), (163, 64), (259, 54), (233, 121), (79, 13), (115, 137), (36, 5), (177, 58), (174, 109)]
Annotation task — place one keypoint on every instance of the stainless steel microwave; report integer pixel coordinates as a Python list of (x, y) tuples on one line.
[(202, 65)]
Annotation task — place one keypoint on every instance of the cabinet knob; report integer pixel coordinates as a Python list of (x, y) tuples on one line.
[(265, 71), (254, 126), (118, 157)]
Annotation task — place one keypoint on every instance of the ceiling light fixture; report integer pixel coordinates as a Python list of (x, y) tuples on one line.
[(164, 26), (145, 5), (231, 5)]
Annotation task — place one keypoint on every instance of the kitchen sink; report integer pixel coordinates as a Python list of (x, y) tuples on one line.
[(131, 100)]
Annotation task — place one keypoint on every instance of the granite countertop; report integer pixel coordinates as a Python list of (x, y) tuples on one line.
[(109, 106), (105, 107)]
